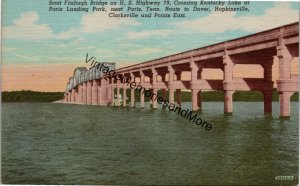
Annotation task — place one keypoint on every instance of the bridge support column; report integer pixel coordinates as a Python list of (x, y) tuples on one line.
[(195, 99), (164, 93), (95, 92), (171, 96), (284, 99), (178, 97), (199, 100), (79, 94), (142, 93), (118, 96), (154, 100), (89, 93), (132, 98), (285, 87), (124, 96), (112, 93), (84, 93), (267, 102), (106, 94), (268, 89), (142, 99), (163, 77), (112, 96), (73, 96), (109, 94), (170, 84), (228, 77), (178, 91), (99, 92), (195, 89), (69, 97), (228, 101), (132, 93), (118, 102), (153, 80), (104, 90)]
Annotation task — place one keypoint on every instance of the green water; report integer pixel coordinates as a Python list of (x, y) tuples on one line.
[(44, 143)]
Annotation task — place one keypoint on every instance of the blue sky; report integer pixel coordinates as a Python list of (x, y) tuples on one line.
[(33, 35)]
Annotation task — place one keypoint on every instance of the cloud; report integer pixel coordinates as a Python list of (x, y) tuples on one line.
[(148, 33), (144, 51), (99, 21), (27, 28), (72, 32), (218, 22)]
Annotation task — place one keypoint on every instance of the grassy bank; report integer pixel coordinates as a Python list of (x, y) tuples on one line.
[(32, 96)]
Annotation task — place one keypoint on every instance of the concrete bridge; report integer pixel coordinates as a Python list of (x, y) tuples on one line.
[(89, 87)]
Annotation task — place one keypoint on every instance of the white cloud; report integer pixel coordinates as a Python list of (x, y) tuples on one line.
[(144, 51), (27, 28), (99, 21), (148, 33), (218, 22)]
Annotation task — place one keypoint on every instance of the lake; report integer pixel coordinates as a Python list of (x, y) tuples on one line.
[(46, 143)]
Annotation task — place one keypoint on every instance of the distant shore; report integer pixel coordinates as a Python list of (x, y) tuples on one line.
[(34, 96), (31, 96)]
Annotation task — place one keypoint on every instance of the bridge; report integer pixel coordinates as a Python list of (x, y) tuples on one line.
[(87, 86)]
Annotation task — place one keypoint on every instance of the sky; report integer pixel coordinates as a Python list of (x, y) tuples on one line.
[(41, 49)]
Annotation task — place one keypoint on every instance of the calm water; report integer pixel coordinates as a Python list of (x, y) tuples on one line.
[(44, 143)]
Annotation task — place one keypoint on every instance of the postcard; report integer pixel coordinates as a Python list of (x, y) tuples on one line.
[(150, 92)]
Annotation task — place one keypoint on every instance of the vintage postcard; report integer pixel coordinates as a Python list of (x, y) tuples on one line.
[(149, 92)]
